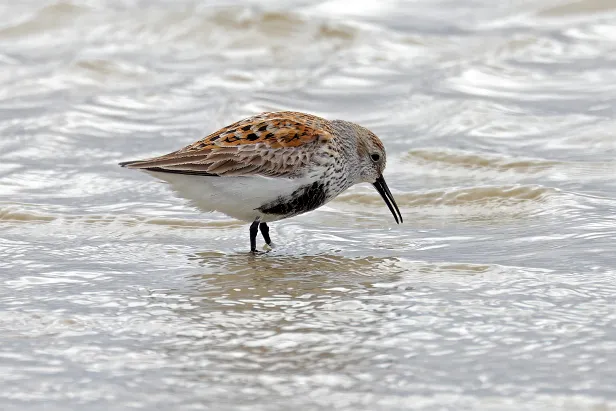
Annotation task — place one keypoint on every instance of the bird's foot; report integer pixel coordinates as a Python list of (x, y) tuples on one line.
[(268, 247)]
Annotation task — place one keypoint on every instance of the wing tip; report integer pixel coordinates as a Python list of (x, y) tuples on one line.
[(136, 164), (130, 164)]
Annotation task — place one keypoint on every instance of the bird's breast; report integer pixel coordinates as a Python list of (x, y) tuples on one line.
[(306, 198)]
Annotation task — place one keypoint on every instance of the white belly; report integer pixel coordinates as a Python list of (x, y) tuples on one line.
[(237, 197)]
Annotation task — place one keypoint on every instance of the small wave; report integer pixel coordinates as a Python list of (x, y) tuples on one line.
[(24, 214), (460, 196), (456, 165), (577, 8), (48, 18), (237, 27), (484, 205), (20, 215), (470, 160)]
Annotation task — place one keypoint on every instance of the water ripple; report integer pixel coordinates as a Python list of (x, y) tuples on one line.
[(495, 293)]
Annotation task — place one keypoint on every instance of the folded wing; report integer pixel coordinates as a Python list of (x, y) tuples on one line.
[(270, 144)]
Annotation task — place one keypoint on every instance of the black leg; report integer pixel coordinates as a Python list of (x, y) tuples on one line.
[(265, 233), (254, 229)]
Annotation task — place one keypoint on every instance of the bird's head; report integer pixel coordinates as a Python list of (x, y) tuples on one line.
[(372, 158)]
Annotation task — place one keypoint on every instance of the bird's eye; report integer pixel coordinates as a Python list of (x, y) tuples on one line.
[(375, 157)]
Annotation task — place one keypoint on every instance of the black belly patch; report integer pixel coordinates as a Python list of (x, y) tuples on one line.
[(302, 200)]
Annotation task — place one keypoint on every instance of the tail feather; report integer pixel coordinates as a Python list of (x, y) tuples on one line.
[(148, 166), (128, 164)]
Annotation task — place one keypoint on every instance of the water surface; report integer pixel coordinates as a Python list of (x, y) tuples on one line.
[(497, 292)]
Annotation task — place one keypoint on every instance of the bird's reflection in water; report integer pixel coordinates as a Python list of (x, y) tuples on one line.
[(241, 280)]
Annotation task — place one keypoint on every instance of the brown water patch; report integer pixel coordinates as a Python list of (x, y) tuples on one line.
[(459, 197), (282, 266), (577, 8), (57, 16), (266, 281), (470, 160), (488, 205), (241, 27), (12, 214)]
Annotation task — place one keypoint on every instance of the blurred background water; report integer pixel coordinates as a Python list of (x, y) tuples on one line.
[(498, 292)]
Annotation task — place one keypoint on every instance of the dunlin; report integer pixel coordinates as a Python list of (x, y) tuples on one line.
[(273, 166)]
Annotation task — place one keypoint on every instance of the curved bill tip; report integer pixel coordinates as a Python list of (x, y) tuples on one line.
[(381, 187)]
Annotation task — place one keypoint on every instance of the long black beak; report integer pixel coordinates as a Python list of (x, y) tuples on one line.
[(381, 187)]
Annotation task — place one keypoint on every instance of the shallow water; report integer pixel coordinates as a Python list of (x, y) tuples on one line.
[(496, 293)]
